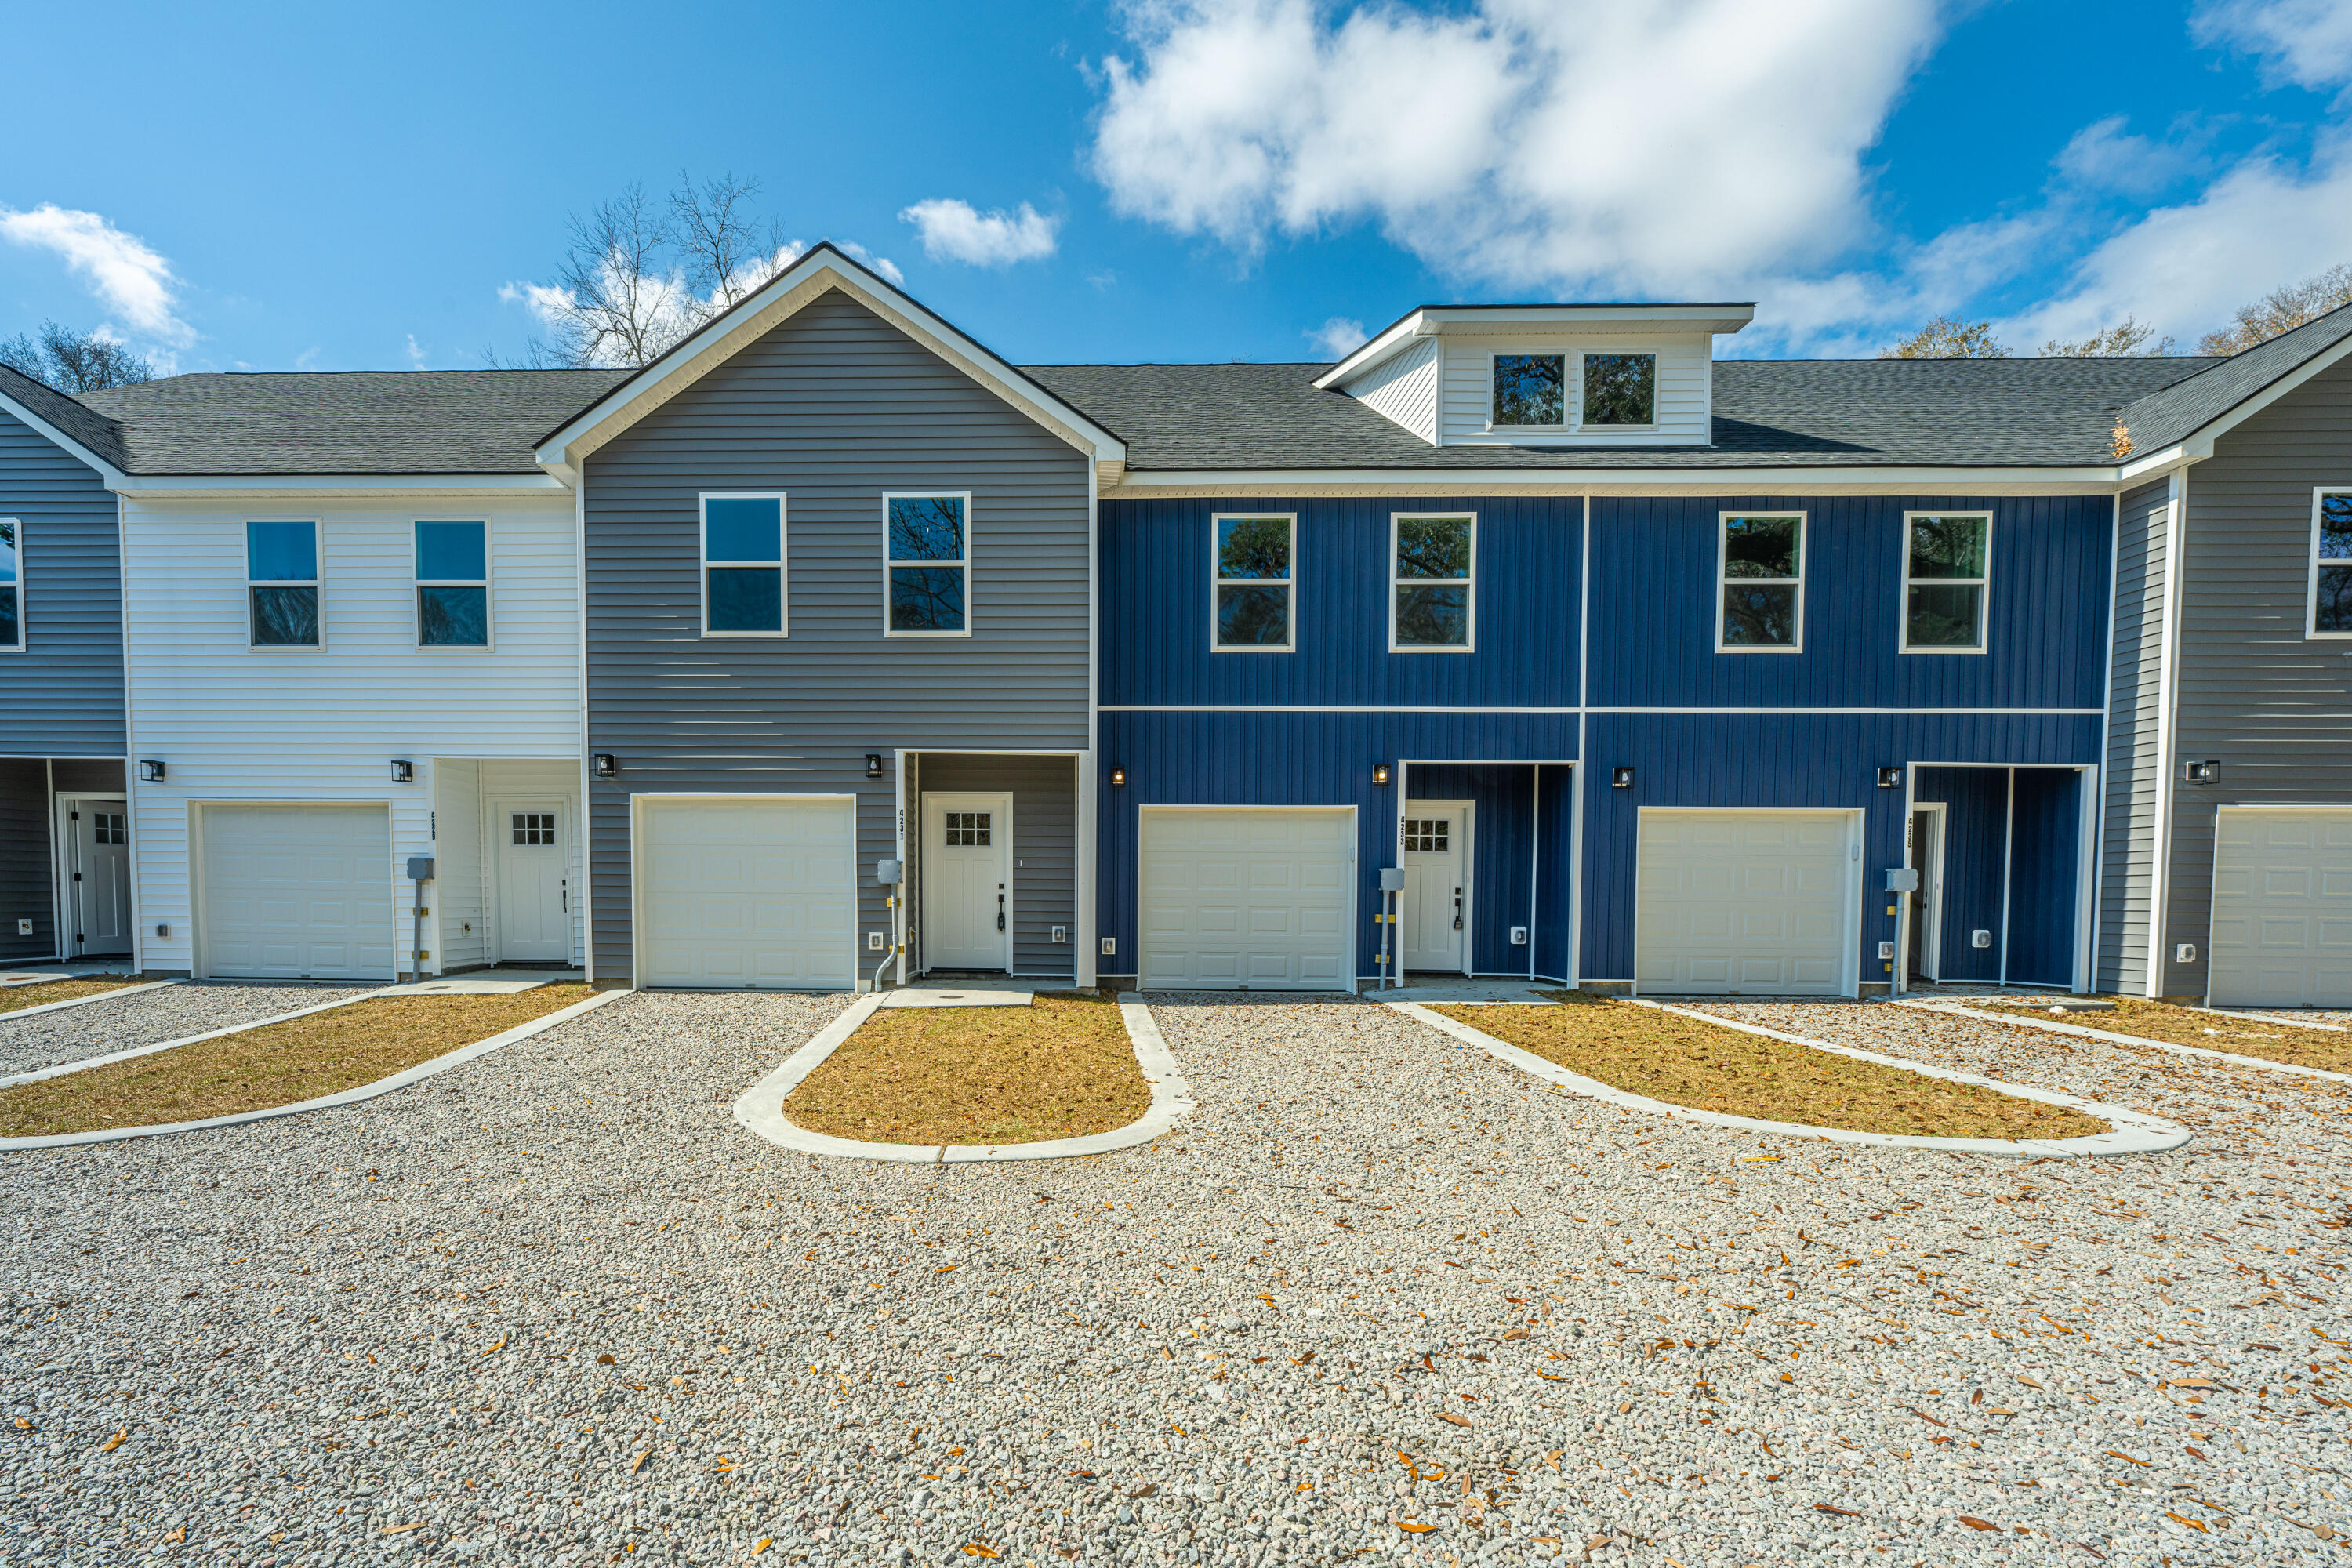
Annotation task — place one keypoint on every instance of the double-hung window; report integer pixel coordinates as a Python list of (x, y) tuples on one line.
[(12, 584), (1947, 566), (281, 585), (1530, 390), (927, 565), (1433, 584), (1251, 583), (1760, 561), (1621, 389), (452, 585), (2331, 564), (742, 566)]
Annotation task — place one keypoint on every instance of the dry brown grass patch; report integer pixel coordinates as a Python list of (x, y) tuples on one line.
[(278, 1064), (2186, 1027), (21, 997), (1061, 1067), (1664, 1055)]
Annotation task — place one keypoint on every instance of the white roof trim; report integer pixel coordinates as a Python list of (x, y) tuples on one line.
[(156, 487), (2199, 441), (785, 295), (1760, 482), (1432, 320), (57, 438)]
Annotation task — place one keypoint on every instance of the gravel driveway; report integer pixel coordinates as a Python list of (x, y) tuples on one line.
[(1239, 1344), (95, 1029)]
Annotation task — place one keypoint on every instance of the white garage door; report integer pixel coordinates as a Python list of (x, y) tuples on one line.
[(1260, 899), (1745, 903), (2282, 909), (299, 893), (747, 892)]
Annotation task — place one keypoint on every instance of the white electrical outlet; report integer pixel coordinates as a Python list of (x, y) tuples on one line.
[(1061, 933), (874, 940), (2184, 953), (1110, 947), (1518, 936), (24, 927)]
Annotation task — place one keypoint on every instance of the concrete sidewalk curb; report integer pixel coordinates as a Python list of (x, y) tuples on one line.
[(34, 1011), (401, 1079), (88, 1062), (2133, 1134), (760, 1108), (2055, 1027)]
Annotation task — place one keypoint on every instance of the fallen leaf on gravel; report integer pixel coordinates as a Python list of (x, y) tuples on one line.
[(1413, 1529), (974, 1548), (604, 1361), (641, 1461), (402, 1529), (761, 1544), (1833, 1508), (22, 1425), (1457, 1420), (2195, 1524), (179, 1533), (116, 1441), (2118, 1454), (498, 1347), (1148, 1489), (1973, 1522)]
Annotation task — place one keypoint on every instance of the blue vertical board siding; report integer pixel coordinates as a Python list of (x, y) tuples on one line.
[(1556, 886), (2044, 868), (1656, 589), (1976, 825), (1503, 849), (1156, 608)]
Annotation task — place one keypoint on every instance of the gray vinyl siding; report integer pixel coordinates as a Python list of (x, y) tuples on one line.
[(833, 408), (1045, 847), (26, 891), (2273, 706), (2134, 722), (63, 695)]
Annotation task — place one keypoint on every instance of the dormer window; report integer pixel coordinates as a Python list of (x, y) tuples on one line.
[(1531, 389), (1620, 389)]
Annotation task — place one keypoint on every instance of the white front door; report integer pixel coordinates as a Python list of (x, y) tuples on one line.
[(534, 881), (1435, 901), (967, 914), (2282, 932), (101, 876), (1757, 903)]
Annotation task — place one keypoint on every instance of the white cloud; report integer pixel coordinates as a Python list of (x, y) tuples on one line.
[(2306, 42), (955, 230), (415, 355), (1681, 147), (128, 275), (1339, 337), (881, 264), (2104, 156)]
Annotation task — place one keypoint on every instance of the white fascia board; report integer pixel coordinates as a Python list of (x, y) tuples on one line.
[(1374, 350), (2153, 466), (781, 298), (1155, 482), (158, 487), (57, 437)]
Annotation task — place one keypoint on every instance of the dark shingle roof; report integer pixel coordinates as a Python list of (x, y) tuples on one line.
[(98, 434), (2181, 410), (1768, 413), (349, 422)]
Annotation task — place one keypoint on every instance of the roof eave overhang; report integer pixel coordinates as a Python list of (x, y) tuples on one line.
[(57, 438), (1761, 481), (160, 487), (822, 269), (2246, 408)]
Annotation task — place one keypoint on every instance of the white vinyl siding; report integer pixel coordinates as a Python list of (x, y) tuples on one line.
[(324, 727), (746, 891), (1683, 412), (1258, 898), (1757, 903), (2281, 932), (1404, 388), (298, 892)]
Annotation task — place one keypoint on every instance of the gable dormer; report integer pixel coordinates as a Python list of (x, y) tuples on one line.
[(1545, 375)]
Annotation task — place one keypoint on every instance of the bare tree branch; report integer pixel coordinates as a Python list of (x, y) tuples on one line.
[(74, 361)]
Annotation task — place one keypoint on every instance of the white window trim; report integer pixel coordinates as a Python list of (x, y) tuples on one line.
[(1567, 396), (490, 596), (783, 551), (1289, 642), (1722, 558), (1653, 356), (963, 565), (1984, 599), (2319, 495), (24, 623), (1470, 583), (318, 584)]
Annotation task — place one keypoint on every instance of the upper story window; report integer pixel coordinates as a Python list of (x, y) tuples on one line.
[(1251, 583), (926, 545), (452, 585), (2331, 564), (1433, 582), (281, 585), (742, 566), (1621, 389), (12, 584), (1946, 562), (1530, 389), (1761, 564)]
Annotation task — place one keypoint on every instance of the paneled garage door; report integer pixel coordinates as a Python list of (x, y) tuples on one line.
[(298, 892), (747, 892), (1257, 899), (1745, 903), (2282, 909)]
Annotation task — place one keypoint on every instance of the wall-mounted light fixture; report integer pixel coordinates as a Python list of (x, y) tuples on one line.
[(873, 764), (604, 765), (403, 771), (2201, 772), (1118, 778), (1890, 778), (1381, 776), (1621, 778), (151, 772)]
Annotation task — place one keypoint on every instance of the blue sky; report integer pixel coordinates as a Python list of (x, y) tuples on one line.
[(331, 187)]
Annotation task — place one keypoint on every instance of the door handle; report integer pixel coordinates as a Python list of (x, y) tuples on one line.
[(1457, 909)]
